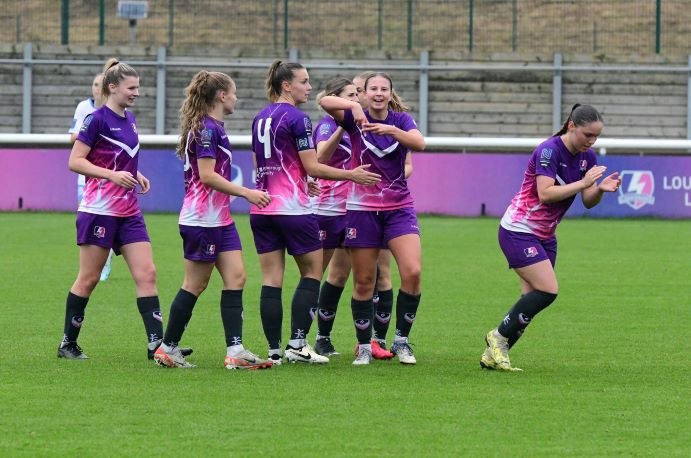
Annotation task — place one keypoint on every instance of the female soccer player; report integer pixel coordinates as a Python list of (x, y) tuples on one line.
[(106, 152), (383, 290), (285, 156), (333, 148), (559, 168), (85, 108), (210, 238), (382, 216)]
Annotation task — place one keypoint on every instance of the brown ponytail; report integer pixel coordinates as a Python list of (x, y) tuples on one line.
[(580, 115)]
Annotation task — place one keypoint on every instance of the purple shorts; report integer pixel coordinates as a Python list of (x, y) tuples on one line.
[(299, 234), (331, 231), (110, 231), (204, 243), (375, 229), (522, 249)]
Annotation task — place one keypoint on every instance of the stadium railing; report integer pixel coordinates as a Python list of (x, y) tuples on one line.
[(440, 144)]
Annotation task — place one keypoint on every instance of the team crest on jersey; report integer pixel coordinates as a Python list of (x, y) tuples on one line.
[(637, 188), (545, 156), (584, 165), (99, 232), (351, 233), (210, 249), (530, 252), (134, 128)]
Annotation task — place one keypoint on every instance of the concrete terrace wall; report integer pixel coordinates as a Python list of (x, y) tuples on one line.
[(468, 102)]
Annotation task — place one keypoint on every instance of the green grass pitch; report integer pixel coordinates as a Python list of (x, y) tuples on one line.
[(606, 366)]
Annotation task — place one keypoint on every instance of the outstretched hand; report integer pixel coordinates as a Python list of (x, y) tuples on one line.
[(610, 183), (360, 175)]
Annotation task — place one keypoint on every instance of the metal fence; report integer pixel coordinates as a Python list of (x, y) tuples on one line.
[(607, 27)]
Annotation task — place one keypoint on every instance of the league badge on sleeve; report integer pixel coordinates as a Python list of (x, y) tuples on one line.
[(545, 156)]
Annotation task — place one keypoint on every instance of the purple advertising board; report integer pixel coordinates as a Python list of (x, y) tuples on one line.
[(457, 184)]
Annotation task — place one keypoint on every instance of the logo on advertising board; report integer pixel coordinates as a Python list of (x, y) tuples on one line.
[(637, 188)]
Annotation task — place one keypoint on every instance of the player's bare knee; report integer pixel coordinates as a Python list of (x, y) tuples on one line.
[(338, 278)]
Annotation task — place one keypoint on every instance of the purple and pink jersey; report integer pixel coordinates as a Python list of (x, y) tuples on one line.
[(551, 158), (279, 133), (114, 144), (334, 194), (387, 158), (202, 205)]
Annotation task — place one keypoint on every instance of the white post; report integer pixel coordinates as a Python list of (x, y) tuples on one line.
[(26, 94), (556, 93), (161, 91)]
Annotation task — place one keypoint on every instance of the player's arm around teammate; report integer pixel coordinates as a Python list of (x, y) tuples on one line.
[(334, 149), (210, 238), (560, 168), (384, 216), (106, 151), (285, 156)]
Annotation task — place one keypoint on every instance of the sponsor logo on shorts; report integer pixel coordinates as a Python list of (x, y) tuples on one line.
[(210, 249), (351, 233), (361, 324), (322, 235), (99, 232), (637, 188), (530, 252)]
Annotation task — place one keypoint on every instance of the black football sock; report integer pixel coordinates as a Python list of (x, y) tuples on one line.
[(406, 311), (362, 319), (74, 316), (375, 293), (522, 312), (150, 310), (382, 314), (328, 305), (271, 311), (231, 315), (180, 314), (305, 299)]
